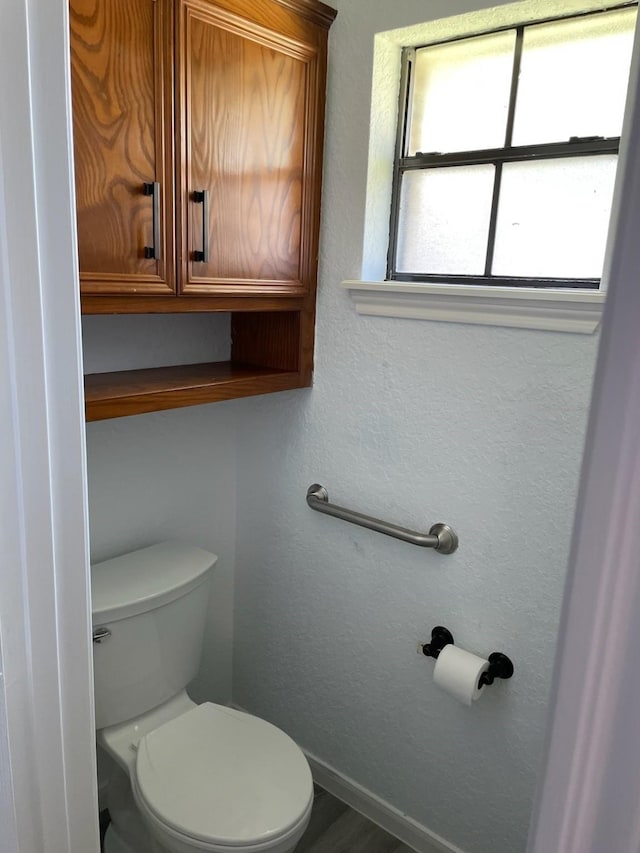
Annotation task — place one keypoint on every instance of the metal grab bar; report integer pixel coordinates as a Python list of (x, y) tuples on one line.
[(441, 536)]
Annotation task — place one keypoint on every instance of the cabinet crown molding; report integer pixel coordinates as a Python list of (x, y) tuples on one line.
[(317, 12)]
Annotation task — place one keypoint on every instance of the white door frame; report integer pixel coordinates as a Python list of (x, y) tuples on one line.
[(591, 780), (49, 785), (590, 786)]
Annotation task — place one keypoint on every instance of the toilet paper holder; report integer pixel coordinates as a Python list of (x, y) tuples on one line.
[(500, 666)]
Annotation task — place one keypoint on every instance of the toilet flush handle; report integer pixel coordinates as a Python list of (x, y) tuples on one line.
[(100, 634)]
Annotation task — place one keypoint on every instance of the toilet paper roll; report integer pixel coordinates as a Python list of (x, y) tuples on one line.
[(458, 672)]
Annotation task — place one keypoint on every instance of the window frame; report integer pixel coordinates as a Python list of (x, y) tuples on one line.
[(403, 163)]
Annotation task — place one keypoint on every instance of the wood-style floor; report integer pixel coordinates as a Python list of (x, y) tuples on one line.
[(335, 828)]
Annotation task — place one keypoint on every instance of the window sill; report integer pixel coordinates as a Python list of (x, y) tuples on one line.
[(577, 311)]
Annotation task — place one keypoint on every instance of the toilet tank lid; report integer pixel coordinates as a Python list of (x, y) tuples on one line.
[(145, 579)]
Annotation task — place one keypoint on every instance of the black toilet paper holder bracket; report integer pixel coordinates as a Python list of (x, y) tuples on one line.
[(500, 666)]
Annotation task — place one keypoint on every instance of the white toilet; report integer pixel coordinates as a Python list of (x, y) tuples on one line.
[(185, 777)]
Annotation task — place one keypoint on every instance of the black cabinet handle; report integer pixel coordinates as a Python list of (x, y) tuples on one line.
[(202, 197), (153, 252)]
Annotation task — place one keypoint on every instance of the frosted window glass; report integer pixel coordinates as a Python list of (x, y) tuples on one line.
[(553, 217), (444, 220), (573, 79), (461, 94)]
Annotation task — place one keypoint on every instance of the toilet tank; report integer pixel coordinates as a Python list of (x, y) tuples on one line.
[(149, 612)]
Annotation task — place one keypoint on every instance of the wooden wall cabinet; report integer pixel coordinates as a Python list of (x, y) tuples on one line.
[(198, 129)]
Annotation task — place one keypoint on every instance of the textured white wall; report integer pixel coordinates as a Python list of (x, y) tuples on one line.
[(136, 341), (415, 422), (171, 475)]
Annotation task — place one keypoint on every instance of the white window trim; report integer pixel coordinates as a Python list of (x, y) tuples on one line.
[(577, 311)]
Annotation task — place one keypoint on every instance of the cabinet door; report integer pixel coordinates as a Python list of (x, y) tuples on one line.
[(121, 72), (249, 177)]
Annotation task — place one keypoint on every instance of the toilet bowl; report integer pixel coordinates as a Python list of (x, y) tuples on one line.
[(205, 778), (185, 777)]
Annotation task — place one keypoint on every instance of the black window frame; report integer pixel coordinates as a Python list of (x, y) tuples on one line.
[(574, 147)]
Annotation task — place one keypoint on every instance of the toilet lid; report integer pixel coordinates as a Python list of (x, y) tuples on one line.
[(215, 774)]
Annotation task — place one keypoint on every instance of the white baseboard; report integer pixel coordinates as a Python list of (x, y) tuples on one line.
[(409, 831)]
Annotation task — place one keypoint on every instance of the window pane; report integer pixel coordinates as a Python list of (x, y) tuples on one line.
[(461, 94), (553, 217), (444, 220), (573, 79)]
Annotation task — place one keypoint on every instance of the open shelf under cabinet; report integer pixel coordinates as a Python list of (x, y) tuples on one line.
[(134, 392)]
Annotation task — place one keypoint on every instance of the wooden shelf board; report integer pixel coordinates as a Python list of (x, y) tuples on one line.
[(133, 392)]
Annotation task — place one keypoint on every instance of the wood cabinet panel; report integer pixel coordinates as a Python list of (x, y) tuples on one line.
[(121, 67), (248, 109), (268, 339)]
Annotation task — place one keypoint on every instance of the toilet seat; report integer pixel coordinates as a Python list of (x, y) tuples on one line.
[(219, 780)]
